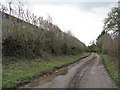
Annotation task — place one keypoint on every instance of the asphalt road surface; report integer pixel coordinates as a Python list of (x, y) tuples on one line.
[(86, 73)]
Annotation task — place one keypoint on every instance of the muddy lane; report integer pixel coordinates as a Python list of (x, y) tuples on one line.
[(92, 75), (87, 73)]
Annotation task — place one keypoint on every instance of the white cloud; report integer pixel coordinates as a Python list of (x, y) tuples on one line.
[(85, 25), (71, 0)]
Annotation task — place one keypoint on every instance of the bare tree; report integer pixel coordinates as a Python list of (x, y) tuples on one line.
[(10, 8), (3, 8)]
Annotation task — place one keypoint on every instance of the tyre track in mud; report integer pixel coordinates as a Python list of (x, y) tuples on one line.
[(75, 81), (96, 76)]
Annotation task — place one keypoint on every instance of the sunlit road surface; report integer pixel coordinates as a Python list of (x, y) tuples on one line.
[(87, 73)]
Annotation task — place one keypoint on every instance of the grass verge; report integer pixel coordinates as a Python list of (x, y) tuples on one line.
[(111, 68), (23, 70)]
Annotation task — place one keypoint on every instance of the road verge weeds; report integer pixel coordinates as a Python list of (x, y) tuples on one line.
[(111, 68), (22, 71)]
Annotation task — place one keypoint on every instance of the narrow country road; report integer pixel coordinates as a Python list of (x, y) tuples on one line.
[(87, 73)]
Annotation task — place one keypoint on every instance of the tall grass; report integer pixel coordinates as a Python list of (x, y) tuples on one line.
[(111, 68), (23, 70)]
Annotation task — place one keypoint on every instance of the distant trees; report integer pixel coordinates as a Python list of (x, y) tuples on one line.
[(92, 47), (30, 36)]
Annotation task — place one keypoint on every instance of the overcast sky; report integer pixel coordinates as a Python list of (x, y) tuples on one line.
[(84, 18)]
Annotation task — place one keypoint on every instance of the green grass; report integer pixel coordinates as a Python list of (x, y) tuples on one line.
[(23, 70), (111, 68)]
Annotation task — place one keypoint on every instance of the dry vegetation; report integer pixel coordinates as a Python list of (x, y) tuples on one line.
[(107, 41), (29, 36)]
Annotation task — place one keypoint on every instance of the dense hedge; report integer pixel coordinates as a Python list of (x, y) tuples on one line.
[(29, 40)]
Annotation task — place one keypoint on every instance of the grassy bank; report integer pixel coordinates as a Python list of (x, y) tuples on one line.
[(23, 70), (111, 68)]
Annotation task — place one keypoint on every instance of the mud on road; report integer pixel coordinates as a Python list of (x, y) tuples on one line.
[(87, 73)]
